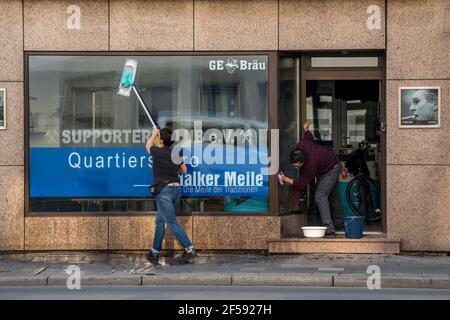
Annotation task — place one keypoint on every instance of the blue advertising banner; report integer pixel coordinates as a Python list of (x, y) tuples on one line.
[(127, 172)]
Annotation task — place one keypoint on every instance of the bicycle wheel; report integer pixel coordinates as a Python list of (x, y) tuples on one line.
[(375, 210), (354, 199)]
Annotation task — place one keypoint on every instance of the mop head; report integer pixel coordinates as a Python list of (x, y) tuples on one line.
[(128, 75), (126, 86)]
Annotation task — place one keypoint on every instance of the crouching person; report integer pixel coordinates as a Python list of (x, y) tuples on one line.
[(317, 161), (167, 185)]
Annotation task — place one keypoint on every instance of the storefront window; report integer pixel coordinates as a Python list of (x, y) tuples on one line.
[(86, 143)]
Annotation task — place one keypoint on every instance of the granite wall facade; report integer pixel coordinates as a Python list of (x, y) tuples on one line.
[(415, 35)]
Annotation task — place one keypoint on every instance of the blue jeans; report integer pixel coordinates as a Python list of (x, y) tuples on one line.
[(166, 202)]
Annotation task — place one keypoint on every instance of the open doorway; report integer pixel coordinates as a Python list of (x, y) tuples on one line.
[(345, 116), (342, 95)]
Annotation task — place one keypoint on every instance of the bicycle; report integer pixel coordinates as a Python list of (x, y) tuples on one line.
[(361, 201), (363, 192)]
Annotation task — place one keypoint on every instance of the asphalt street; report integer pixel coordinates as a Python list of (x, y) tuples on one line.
[(218, 293)]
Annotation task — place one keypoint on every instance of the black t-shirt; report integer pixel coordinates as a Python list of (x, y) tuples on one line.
[(163, 167)]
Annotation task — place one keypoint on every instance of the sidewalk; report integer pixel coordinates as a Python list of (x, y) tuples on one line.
[(225, 269)]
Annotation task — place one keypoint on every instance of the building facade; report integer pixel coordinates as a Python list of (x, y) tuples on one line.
[(73, 169)]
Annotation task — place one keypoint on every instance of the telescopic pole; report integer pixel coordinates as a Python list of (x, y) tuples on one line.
[(144, 106)]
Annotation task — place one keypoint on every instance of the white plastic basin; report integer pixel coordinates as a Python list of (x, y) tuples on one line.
[(314, 232)]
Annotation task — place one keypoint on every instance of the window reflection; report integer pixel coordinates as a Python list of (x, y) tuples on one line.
[(69, 94)]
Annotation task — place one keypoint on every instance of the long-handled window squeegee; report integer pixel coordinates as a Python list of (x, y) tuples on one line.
[(127, 85)]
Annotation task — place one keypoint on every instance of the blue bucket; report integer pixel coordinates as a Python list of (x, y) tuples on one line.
[(354, 227)]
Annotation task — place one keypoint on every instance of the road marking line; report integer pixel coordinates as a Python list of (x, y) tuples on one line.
[(331, 269), (304, 266), (252, 269)]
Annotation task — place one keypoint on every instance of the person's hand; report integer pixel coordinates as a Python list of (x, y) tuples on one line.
[(155, 131), (306, 126), (287, 180), (280, 176)]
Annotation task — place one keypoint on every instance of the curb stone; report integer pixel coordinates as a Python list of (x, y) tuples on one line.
[(23, 281), (98, 281), (281, 279), (237, 279), (406, 281), (440, 283), (199, 279), (354, 280), (435, 275)]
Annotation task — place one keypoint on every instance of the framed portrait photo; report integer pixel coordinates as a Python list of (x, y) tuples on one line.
[(419, 107), (2, 108)]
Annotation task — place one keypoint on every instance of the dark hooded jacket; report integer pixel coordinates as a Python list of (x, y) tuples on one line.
[(319, 160)]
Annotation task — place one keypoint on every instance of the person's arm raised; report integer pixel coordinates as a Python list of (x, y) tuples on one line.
[(151, 140), (308, 135), (306, 126), (307, 139)]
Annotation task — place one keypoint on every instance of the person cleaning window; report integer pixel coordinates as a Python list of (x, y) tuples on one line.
[(317, 161), (166, 188)]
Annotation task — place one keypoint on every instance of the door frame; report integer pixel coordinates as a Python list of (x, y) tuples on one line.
[(350, 73)]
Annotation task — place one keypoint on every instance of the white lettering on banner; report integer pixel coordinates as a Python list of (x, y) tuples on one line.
[(240, 190), (77, 161), (231, 179), (247, 179), (105, 136), (224, 146), (199, 179), (221, 189)]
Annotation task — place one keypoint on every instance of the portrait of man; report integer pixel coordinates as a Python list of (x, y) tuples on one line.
[(419, 107), (2, 109)]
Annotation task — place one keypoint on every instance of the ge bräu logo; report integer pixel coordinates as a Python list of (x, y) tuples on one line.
[(231, 65)]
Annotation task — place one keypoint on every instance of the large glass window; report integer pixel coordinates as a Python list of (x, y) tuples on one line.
[(86, 143)]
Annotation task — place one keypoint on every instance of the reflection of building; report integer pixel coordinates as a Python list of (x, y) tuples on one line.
[(89, 117), (344, 78)]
